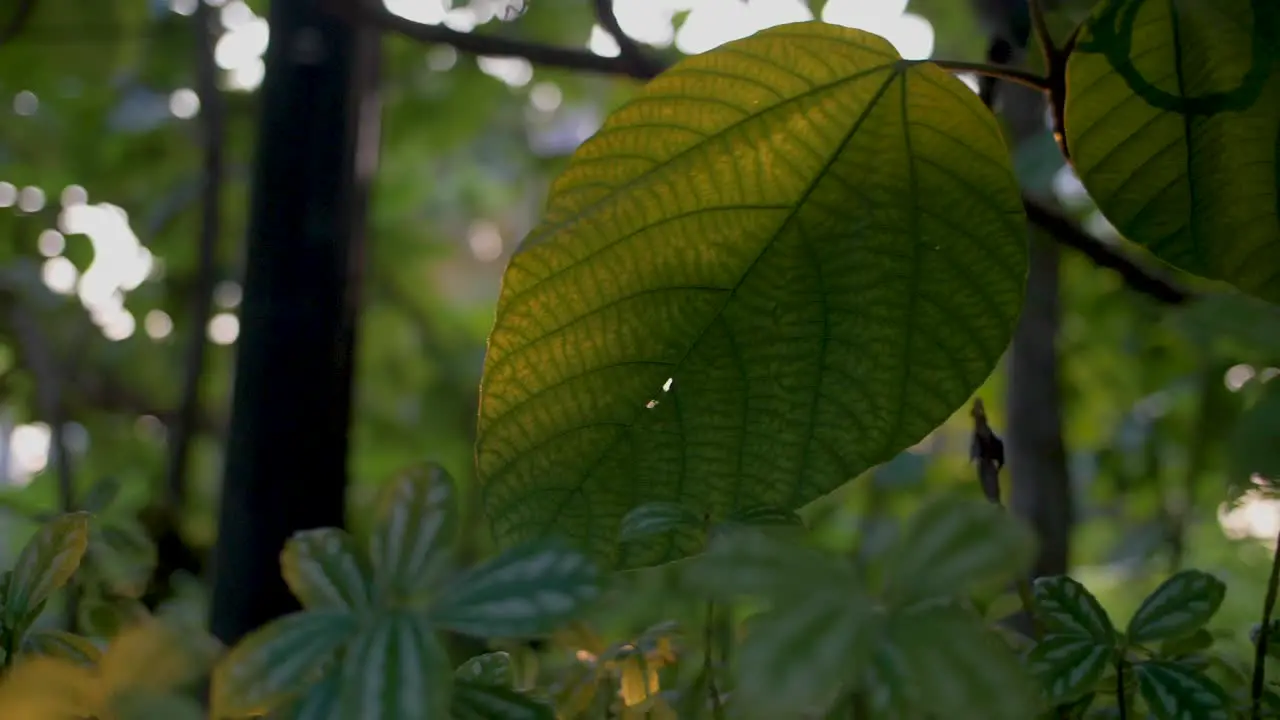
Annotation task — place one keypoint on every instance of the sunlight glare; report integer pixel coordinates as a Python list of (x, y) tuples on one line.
[(427, 12), (8, 194), (224, 328), (602, 43), (51, 243), (158, 324), (28, 452), (514, 71), (59, 275)]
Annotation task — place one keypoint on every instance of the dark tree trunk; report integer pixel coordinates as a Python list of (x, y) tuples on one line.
[(287, 446)]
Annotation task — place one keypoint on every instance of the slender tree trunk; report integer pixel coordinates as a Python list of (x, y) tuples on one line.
[(287, 446)]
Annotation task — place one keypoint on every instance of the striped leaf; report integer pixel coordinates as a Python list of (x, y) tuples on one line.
[(1180, 606), (528, 590), (325, 570), (488, 669), (479, 701), (396, 669), (319, 703), (1175, 692), (800, 655), (45, 564), (61, 645), (750, 562), (764, 516), (1069, 666), (952, 545), (416, 520), (1068, 608), (278, 662), (656, 518)]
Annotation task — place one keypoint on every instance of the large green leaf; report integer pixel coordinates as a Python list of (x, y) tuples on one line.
[(1174, 692), (781, 263), (416, 521), (396, 669), (528, 590), (800, 655), (1172, 121), (1180, 606), (46, 563), (325, 570), (278, 662), (953, 545)]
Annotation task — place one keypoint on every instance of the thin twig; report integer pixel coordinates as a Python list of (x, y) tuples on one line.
[(1264, 634), (629, 51), (17, 21), (1040, 28), (1035, 81), (1122, 700), (213, 125), (717, 711)]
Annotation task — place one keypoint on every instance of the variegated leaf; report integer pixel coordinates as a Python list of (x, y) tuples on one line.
[(751, 562), (656, 518), (954, 544), (278, 662), (800, 655), (528, 590), (45, 564), (1181, 605), (488, 669), (479, 701), (1069, 666), (1066, 607), (1174, 692), (764, 516), (325, 570), (319, 703), (415, 525), (62, 645), (396, 669)]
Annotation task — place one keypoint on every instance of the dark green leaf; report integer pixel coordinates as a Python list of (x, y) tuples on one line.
[(952, 545), (1172, 114), (396, 669), (278, 662), (1174, 692), (325, 570), (319, 703), (1066, 607), (656, 518), (801, 655), (416, 521), (1178, 607), (692, 320), (489, 669), (751, 562), (45, 564), (478, 701), (1069, 666), (63, 645), (527, 590), (1199, 640)]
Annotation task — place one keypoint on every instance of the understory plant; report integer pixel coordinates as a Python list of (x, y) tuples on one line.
[(782, 263)]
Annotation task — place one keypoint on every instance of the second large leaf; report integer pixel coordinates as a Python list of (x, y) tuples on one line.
[(781, 263)]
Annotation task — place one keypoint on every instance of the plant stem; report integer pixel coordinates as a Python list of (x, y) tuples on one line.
[(709, 634), (1260, 649), (1027, 78), (1040, 28), (1121, 701)]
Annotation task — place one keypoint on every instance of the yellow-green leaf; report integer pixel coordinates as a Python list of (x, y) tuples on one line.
[(1173, 124), (278, 662), (61, 645), (396, 669), (155, 656), (45, 564), (778, 265), (325, 570)]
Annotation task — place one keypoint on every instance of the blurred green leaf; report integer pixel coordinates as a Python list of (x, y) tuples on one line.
[(1197, 641), (1173, 692), (751, 562), (528, 590), (952, 545), (1255, 443), (480, 701), (278, 662), (62, 645), (1066, 607), (100, 495), (46, 563), (1180, 606), (488, 669), (416, 521), (395, 669), (697, 348), (325, 570), (1170, 155)]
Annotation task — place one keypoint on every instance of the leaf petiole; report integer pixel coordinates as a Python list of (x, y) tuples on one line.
[(1026, 78)]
